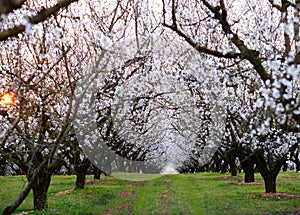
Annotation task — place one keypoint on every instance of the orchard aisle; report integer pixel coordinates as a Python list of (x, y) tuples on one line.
[(200, 193)]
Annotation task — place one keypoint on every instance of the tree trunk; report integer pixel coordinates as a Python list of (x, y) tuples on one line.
[(223, 167), (285, 167), (270, 183), (295, 159), (40, 189), (232, 165), (81, 168), (249, 175), (97, 173), (80, 179), (269, 172), (297, 166), (2, 165), (233, 170), (41, 183), (248, 167), (2, 170)]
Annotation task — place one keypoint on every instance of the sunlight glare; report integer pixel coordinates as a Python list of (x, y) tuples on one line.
[(6, 99)]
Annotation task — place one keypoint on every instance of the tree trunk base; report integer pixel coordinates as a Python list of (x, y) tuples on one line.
[(40, 189), (270, 185), (80, 180)]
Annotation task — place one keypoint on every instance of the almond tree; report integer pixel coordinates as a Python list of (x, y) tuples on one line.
[(43, 54), (264, 43), (36, 126)]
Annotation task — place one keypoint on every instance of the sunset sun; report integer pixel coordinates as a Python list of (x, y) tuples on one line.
[(6, 99)]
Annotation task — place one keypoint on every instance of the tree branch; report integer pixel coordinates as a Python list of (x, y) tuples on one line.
[(199, 48), (278, 7), (251, 55), (7, 6), (40, 17)]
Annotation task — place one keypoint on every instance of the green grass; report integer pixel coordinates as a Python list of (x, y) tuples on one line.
[(201, 193)]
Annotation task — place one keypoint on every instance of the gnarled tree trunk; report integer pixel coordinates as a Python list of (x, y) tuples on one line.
[(269, 172), (40, 189), (41, 182)]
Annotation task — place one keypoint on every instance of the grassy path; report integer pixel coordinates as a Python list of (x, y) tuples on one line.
[(203, 193), (215, 194)]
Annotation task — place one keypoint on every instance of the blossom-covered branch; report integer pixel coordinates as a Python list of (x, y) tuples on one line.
[(41, 16)]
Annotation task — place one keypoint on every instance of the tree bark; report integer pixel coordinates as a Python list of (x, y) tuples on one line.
[(81, 168), (40, 189), (42, 181), (248, 167), (223, 167), (9, 6), (249, 174), (270, 183), (294, 158), (97, 173), (80, 179), (296, 29), (232, 165), (39, 17), (269, 172), (2, 167), (285, 167), (233, 170)]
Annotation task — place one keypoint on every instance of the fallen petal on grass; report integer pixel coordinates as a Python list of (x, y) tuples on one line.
[(280, 195), (63, 192)]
